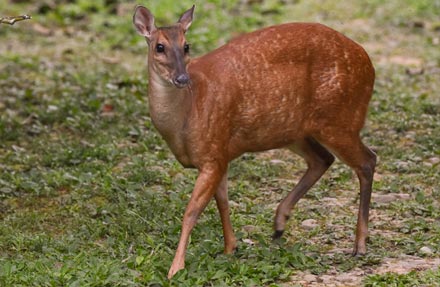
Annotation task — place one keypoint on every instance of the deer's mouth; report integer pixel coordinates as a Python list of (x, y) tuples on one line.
[(180, 86)]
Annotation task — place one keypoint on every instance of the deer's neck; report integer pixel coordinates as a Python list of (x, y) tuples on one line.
[(169, 110)]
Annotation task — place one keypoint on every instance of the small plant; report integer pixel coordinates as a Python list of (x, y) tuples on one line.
[(91, 196)]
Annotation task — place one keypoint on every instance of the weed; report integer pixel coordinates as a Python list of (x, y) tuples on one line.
[(91, 196)]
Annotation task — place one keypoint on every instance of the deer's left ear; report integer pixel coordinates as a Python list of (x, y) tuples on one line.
[(186, 19)]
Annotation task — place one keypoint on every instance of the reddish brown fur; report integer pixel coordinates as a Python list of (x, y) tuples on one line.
[(267, 89), (301, 85)]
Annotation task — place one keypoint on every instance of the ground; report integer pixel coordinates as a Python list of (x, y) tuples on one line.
[(91, 196)]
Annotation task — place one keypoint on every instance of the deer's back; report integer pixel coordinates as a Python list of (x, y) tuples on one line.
[(283, 82)]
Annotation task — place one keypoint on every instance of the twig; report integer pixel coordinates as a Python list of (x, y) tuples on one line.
[(12, 20)]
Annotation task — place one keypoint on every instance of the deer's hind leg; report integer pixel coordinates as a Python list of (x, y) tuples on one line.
[(351, 150), (318, 160)]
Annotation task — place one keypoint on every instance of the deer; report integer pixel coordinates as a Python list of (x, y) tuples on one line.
[(300, 86)]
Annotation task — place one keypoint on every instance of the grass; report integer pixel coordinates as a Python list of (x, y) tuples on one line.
[(91, 196)]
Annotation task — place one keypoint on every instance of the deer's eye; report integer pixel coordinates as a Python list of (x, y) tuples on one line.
[(186, 48), (160, 48)]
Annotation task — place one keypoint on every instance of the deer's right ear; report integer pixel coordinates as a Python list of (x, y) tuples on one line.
[(143, 21)]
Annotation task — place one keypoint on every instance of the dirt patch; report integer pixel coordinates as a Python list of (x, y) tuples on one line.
[(401, 265)]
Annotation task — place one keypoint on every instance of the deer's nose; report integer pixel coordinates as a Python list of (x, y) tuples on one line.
[(181, 80)]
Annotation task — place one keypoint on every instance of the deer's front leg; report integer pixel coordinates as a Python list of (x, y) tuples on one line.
[(221, 197), (206, 186)]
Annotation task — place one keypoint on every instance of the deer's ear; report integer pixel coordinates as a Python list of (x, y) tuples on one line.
[(143, 21), (186, 19)]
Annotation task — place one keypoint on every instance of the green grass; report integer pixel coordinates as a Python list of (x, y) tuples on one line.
[(91, 196), (413, 278)]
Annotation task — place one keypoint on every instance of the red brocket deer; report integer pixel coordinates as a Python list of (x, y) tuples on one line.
[(300, 86)]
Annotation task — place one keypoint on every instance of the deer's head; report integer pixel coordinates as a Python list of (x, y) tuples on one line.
[(168, 50)]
